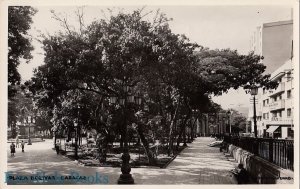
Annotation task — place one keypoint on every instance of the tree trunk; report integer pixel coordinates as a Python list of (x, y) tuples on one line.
[(102, 149), (170, 147), (121, 142), (184, 137), (138, 142), (151, 159), (193, 129), (54, 138), (182, 128)]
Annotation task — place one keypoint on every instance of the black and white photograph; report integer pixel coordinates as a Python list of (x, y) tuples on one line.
[(204, 93)]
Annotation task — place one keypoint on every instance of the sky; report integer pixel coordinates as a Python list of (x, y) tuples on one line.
[(210, 26)]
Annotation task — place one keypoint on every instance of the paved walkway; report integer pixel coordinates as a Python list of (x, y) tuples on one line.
[(197, 164)]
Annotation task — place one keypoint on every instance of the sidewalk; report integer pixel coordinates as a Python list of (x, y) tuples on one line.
[(197, 164)]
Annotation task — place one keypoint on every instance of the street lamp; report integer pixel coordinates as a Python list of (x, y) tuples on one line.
[(254, 92), (29, 122), (229, 112), (76, 138), (124, 100)]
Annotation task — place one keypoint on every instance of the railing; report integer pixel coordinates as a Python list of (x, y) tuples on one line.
[(279, 121), (280, 88), (279, 104), (277, 151)]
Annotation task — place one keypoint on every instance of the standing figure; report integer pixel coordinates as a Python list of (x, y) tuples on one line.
[(12, 149), (57, 147), (22, 145)]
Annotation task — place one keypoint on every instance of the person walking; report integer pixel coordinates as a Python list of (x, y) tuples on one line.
[(22, 145), (12, 149)]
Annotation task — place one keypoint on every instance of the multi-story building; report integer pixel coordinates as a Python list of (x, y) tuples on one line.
[(274, 41), (275, 107)]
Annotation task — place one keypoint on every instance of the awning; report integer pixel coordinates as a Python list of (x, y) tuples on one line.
[(271, 129)]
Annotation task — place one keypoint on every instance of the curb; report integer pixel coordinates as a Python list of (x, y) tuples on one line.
[(167, 164)]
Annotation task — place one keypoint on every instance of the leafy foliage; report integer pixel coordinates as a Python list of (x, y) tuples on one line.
[(19, 47), (84, 69), (19, 42)]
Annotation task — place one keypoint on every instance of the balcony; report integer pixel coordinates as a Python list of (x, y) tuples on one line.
[(280, 121), (279, 104), (279, 89)]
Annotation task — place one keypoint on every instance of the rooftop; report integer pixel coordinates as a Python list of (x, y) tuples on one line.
[(278, 23)]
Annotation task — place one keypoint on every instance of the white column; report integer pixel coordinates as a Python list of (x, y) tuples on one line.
[(284, 132)]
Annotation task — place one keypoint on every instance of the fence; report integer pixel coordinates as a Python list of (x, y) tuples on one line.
[(277, 151)]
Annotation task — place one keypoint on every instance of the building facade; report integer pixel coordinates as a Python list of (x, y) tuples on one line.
[(273, 41), (275, 107), (214, 123)]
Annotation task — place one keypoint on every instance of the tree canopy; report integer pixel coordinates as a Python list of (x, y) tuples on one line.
[(84, 69), (19, 42), (19, 48)]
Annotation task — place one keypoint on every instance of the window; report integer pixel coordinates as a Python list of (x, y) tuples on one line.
[(289, 94), (264, 103), (289, 76), (267, 101), (279, 97), (266, 116), (280, 114), (264, 91), (289, 112)]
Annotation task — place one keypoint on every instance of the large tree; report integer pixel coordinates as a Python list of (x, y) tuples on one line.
[(19, 41), (19, 48), (106, 55), (172, 75)]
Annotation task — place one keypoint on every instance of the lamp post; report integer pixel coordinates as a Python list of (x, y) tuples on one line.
[(76, 138), (29, 122), (229, 112), (206, 128), (254, 92), (125, 99), (223, 125)]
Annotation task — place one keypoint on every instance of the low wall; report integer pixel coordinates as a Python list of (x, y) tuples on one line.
[(261, 171)]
